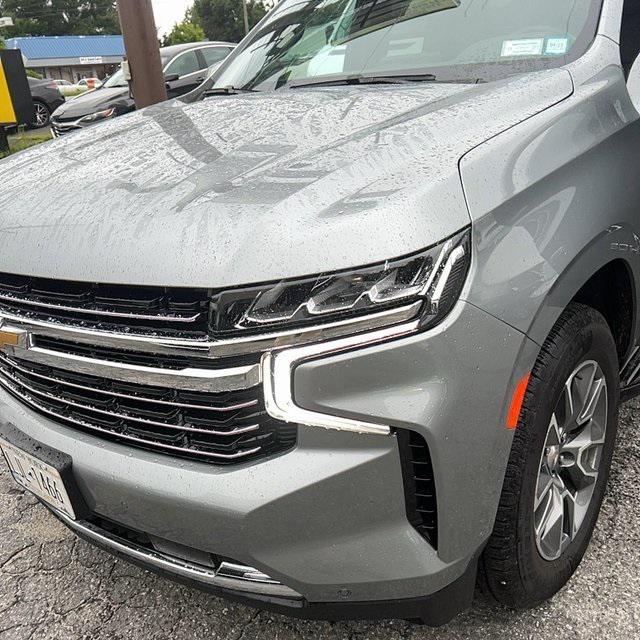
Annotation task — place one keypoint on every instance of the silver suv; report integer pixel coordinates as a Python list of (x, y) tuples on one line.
[(351, 330)]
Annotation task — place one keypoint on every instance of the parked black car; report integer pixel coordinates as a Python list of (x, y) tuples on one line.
[(46, 99), (185, 68)]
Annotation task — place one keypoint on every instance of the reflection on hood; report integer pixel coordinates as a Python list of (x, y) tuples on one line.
[(256, 187)]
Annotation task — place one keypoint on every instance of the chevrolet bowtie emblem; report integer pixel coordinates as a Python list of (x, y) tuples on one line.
[(10, 337)]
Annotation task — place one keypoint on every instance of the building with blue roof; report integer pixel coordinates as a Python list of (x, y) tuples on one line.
[(70, 57)]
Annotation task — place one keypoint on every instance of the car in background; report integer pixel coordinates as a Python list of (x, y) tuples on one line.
[(88, 84), (64, 86), (46, 99), (186, 66), (67, 88)]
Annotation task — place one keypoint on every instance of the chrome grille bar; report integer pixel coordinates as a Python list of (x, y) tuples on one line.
[(152, 444), (180, 405), (207, 380), (121, 416), (26, 302), (205, 347)]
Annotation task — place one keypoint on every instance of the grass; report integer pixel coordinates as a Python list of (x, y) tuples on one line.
[(22, 141), (72, 93)]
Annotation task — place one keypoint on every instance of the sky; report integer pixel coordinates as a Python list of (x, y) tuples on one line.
[(168, 12)]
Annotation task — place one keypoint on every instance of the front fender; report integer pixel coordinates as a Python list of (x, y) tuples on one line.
[(555, 199)]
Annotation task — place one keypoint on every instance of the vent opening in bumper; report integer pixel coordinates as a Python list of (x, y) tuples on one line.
[(419, 485)]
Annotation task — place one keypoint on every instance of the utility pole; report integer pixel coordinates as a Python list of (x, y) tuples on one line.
[(148, 85), (245, 11)]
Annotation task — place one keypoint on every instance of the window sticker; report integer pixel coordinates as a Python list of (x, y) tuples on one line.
[(532, 47), (406, 47), (557, 46)]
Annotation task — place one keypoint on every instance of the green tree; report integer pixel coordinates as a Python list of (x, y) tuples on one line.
[(223, 19), (185, 31), (60, 17)]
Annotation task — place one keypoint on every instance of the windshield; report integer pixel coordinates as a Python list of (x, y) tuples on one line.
[(303, 40), (117, 79)]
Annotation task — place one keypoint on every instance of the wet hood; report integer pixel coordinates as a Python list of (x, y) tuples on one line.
[(92, 101), (256, 187)]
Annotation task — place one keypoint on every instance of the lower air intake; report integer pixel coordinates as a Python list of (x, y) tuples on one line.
[(419, 485)]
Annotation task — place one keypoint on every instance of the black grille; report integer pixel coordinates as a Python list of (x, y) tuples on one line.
[(153, 310), (127, 534), (420, 486), (220, 428), (157, 360)]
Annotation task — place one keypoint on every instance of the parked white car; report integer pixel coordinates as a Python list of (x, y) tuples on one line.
[(87, 84), (67, 88), (64, 86)]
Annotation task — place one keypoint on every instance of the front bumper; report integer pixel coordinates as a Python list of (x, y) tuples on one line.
[(61, 128), (328, 519)]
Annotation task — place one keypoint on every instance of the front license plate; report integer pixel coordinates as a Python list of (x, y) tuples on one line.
[(36, 476)]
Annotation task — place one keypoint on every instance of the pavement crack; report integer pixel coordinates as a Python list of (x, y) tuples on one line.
[(247, 624), (14, 555)]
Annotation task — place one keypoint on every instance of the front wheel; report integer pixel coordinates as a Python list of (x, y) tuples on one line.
[(559, 463), (43, 115)]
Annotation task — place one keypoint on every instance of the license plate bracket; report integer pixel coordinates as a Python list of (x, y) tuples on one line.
[(52, 464)]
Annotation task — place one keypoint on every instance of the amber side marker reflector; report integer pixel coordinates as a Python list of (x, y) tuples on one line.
[(516, 402)]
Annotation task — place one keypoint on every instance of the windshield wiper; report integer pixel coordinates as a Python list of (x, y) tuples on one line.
[(359, 80), (227, 91)]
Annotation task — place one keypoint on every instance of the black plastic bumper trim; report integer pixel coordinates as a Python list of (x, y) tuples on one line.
[(434, 610)]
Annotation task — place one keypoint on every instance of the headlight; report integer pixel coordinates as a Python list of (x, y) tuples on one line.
[(100, 115), (430, 282)]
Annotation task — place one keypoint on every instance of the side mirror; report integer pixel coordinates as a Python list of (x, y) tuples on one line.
[(172, 77)]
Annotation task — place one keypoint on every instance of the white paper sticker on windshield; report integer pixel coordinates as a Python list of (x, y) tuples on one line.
[(532, 47), (557, 46), (405, 47)]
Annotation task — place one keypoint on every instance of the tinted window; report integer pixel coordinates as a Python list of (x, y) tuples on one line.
[(184, 64), (215, 54), (630, 35), (309, 38), (116, 80)]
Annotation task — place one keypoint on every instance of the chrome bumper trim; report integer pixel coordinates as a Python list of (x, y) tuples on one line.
[(227, 576), (277, 378)]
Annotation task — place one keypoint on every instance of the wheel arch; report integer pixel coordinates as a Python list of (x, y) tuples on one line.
[(42, 102), (602, 276)]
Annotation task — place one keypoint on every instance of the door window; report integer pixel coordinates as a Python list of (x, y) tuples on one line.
[(212, 55), (184, 64)]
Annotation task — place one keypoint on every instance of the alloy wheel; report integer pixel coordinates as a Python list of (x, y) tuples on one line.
[(42, 114), (570, 460)]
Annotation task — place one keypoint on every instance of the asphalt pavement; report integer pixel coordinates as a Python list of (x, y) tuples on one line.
[(53, 586)]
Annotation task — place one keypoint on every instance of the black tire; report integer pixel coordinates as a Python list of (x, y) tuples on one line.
[(512, 569), (42, 108)]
